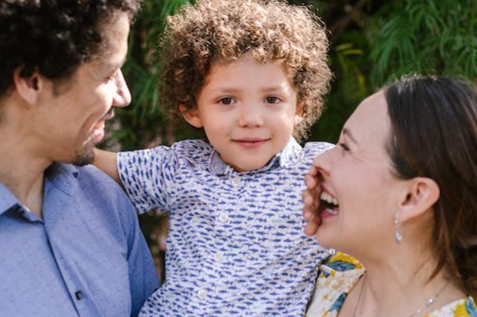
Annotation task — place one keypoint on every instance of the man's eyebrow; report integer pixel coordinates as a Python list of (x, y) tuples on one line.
[(110, 66), (349, 134)]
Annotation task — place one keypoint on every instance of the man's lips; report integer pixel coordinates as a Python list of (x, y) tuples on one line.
[(108, 116), (97, 133)]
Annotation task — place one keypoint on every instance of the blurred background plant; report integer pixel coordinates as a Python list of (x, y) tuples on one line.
[(372, 42)]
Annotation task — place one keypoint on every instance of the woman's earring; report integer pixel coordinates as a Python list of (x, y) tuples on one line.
[(397, 227)]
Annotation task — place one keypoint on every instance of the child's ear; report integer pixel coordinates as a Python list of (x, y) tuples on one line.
[(422, 193), (299, 113), (29, 88), (191, 116)]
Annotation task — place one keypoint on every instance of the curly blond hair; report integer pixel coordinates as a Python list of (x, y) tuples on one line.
[(225, 30)]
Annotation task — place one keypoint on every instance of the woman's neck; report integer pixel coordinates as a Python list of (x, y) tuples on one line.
[(398, 285)]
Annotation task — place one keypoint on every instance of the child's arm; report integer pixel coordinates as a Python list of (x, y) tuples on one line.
[(107, 162)]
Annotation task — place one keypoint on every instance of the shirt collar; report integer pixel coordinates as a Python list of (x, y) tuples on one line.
[(286, 157), (7, 199), (60, 175)]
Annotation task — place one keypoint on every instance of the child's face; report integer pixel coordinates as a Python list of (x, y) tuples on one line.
[(248, 111)]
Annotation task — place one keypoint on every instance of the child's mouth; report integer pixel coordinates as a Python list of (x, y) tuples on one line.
[(250, 143)]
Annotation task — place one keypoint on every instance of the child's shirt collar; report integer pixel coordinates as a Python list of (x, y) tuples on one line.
[(286, 157)]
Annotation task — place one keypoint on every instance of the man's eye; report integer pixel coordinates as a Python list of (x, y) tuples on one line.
[(272, 100), (227, 101)]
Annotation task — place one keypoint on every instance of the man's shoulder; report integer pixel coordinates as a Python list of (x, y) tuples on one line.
[(88, 174), (87, 181)]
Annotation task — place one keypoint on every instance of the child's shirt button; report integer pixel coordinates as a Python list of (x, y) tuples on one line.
[(223, 218), (202, 294), (218, 257), (236, 181)]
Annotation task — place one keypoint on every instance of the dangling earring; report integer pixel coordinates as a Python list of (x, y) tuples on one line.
[(397, 226)]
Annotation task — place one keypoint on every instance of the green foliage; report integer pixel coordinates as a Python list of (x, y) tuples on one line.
[(426, 37)]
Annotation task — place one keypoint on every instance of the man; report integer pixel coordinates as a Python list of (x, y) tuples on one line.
[(70, 244)]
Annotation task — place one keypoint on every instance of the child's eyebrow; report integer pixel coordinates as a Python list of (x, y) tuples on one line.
[(273, 88), (225, 90), (232, 90)]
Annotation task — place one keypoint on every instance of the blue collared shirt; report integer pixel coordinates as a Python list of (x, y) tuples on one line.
[(236, 245), (87, 257)]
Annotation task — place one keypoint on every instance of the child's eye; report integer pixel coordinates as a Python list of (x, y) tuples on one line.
[(227, 101), (272, 99)]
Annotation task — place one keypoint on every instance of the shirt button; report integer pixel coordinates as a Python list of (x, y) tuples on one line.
[(218, 257), (202, 294), (79, 295), (223, 217), (236, 181)]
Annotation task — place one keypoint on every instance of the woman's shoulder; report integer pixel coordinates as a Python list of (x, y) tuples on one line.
[(460, 308), (339, 262), (338, 275)]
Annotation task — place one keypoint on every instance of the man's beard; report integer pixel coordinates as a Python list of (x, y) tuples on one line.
[(84, 157)]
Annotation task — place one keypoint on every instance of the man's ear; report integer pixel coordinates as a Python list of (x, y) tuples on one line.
[(191, 116), (422, 194), (28, 88)]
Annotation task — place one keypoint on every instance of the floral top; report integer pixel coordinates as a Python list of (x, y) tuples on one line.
[(341, 272)]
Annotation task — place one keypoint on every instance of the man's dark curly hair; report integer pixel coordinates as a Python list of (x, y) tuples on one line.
[(53, 37), (225, 30)]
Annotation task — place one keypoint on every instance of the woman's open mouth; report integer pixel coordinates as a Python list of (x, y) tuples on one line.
[(329, 206)]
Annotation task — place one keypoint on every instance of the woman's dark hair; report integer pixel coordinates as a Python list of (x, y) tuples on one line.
[(434, 135), (53, 37)]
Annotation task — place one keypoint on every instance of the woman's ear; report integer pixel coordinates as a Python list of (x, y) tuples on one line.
[(28, 88), (422, 194), (191, 116)]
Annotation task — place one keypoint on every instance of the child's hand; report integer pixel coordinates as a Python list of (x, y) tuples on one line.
[(311, 198)]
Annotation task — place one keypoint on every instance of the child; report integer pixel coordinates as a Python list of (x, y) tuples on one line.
[(251, 73)]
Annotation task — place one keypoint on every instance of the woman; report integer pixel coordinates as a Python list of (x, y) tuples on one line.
[(399, 194)]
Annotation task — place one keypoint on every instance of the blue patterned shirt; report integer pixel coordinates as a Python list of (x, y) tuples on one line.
[(236, 245), (87, 257)]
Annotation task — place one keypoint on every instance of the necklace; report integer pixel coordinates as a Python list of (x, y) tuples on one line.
[(360, 293), (428, 303)]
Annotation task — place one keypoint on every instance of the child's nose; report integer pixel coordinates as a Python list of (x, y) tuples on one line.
[(250, 116)]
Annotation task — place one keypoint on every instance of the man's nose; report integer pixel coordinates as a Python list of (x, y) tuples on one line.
[(122, 95)]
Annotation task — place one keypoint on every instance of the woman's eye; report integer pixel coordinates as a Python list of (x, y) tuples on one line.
[(344, 147), (226, 101), (272, 100)]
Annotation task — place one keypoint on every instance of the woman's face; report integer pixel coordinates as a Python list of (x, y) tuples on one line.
[(357, 183)]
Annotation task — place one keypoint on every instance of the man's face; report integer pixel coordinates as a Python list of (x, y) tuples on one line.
[(72, 116)]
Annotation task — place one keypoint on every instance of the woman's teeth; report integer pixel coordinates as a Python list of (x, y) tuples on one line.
[(329, 199)]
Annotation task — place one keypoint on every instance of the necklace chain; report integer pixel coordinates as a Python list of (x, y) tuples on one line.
[(360, 293), (428, 303)]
